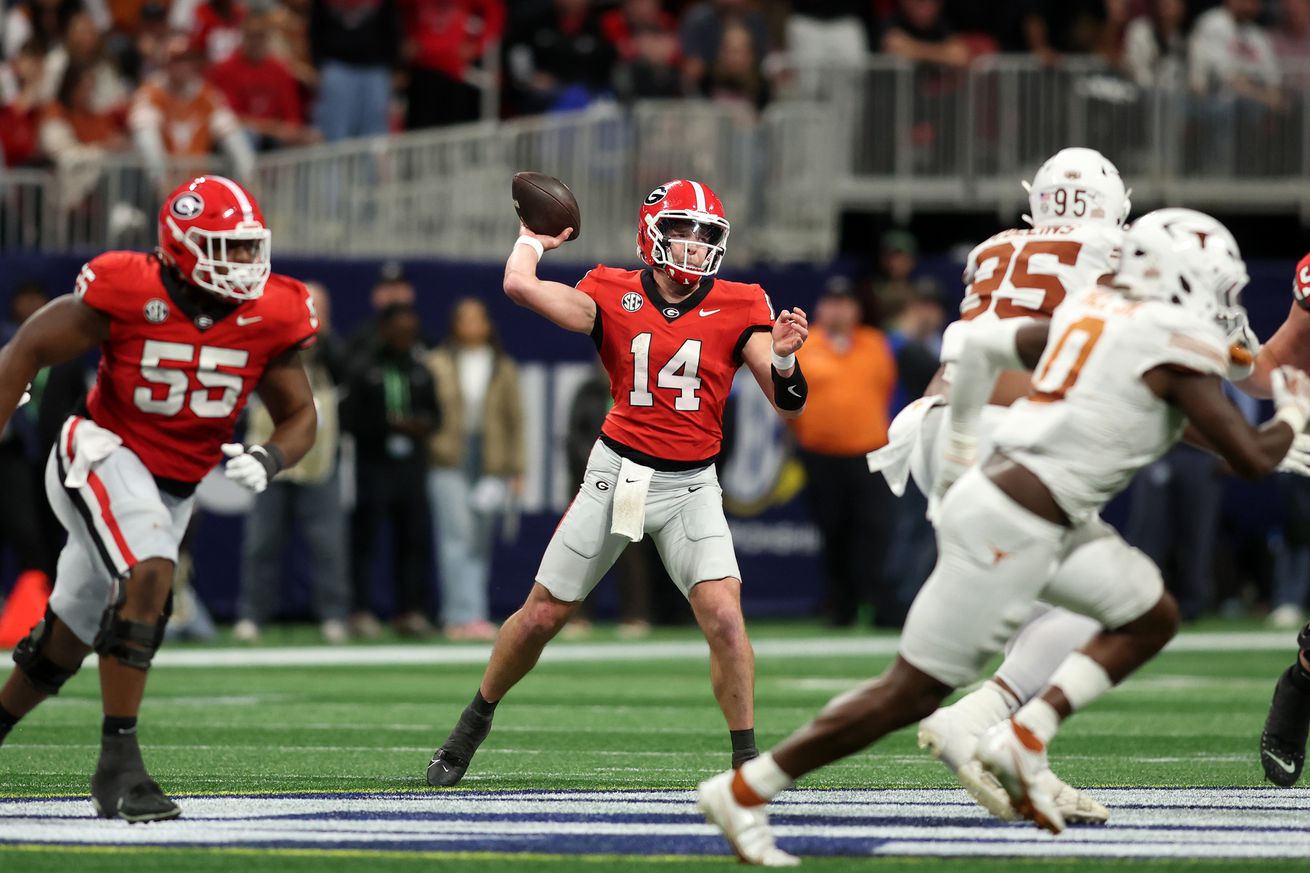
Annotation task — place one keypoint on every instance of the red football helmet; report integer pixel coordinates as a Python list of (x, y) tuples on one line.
[(688, 215), (212, 231)]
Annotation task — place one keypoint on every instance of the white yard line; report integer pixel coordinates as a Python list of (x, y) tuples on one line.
[(671, 650)]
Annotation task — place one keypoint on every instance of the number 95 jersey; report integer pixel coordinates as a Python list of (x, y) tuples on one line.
[(671, 366), (171, 383)]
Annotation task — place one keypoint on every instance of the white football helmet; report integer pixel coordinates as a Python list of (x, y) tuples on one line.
[(1184, 257), (1077, 186)]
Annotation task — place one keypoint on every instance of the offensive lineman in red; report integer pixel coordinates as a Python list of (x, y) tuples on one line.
[(185, 334), (672, 337)]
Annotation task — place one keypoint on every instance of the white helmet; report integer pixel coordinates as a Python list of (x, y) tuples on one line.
[(1077, 186), (1183, 257)]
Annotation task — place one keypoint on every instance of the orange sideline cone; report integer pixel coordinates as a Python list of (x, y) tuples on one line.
[(24, 608)]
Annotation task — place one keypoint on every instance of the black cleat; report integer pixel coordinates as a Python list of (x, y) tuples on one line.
[(121, 788), (1282, 745), (450, 762)]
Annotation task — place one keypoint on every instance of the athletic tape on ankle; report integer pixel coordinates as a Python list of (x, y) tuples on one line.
[(764, 776), (1081, 679)]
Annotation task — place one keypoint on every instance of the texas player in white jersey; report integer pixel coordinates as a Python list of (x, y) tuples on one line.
[(1077, 204), (1123, 372)]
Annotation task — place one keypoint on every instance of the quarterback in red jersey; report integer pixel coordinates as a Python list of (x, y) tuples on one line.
[(185, 334), (671, 336)]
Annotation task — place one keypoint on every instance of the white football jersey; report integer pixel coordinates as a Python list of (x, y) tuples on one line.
[(1028, 271), (1090, 422)]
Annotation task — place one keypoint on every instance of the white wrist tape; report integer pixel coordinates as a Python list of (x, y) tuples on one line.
[(1292, 415), (781, 363), (533, 243)]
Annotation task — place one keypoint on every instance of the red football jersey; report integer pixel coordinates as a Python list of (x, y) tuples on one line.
[(671, 365), (169, 388)]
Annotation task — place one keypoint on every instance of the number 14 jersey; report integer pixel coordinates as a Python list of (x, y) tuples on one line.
[(171, 383), (671, 366)]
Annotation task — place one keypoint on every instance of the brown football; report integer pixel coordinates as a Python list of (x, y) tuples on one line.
[(545, 204)]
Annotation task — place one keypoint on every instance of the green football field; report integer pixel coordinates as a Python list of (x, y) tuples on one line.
[(300, 757)]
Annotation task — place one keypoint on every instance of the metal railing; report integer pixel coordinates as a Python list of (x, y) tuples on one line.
[(917, 137), (445, 193)]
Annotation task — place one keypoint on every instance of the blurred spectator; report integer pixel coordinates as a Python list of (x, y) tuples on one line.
[(356, 46), (477, 461), (308, 495), (40, 20), (392, 288), (1155, 45), (214, 25), (559, 58), (652, 72), (736, 77), (261, 90), (446, 38), (914, 329), (1175, 515), (76, 137), (82, 44), (624, 26), (851, 373), (177, 114), (391, 410), (918, 31), (142, 54), (1292, 36), (20, 101), (829, 31), (1292, 566), (702, 31), (1053, 27), (892, 285), (290, 42), (1231, 54)]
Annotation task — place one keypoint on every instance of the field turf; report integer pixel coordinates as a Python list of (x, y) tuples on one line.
[(600, 716)]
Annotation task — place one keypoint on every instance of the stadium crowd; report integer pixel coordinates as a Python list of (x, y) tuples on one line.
[(183, 78)]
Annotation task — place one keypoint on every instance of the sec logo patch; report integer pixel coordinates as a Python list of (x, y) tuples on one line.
[(631, 301), (156, 311)]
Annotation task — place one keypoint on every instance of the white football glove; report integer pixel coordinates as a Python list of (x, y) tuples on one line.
[(1243, 348), (958, 455), (1297, 459), (1291, 391), (250, 467)]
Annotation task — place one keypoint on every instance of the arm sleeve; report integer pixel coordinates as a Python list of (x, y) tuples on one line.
[(986, 350)]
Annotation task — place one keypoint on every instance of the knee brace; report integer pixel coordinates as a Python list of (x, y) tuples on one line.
[(133, 643), (41, 673)]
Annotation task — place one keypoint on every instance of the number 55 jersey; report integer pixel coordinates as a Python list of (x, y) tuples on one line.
[(173, 378)]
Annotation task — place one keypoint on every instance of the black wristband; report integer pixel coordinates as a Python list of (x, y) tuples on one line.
[(789, 393), (270, 456)]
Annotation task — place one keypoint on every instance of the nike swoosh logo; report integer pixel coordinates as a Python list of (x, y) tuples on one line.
[(791, 389), (630, 481), (242, 320), (694, 488), (705, 312), (1287, 768)]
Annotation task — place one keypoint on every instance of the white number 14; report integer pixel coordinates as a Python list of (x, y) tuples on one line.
[(686, 382)]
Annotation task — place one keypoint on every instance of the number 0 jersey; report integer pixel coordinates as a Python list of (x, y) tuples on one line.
[(1090, 422), (171, 384), (671, 366)]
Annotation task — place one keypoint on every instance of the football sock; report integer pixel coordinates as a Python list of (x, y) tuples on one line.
[(1297, 675), (1040, 646), (115, 726), (1040, 718), (1081, 679), (988, 705), (7, 722), (482, 706), (743, 746), (759, 781)]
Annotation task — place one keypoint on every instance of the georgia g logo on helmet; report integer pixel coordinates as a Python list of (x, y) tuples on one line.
[(187, 205)]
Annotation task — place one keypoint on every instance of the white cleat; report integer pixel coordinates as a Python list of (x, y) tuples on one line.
[(948, 736), (1074, 805), (746, 828), (1017, 759), (987, 791)]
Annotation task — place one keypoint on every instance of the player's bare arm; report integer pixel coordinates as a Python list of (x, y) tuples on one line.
[(1286, 346), (565, 306), (1250, 452), (60, 331), (783, 385), (285, 391)]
